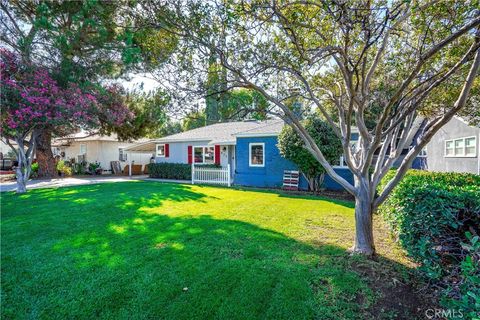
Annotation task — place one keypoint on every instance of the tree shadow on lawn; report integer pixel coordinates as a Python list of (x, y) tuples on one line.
[(129, 263), (293, 195)]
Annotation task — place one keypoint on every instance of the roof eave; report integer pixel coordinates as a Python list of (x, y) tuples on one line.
[(164, 140), (267, 134)]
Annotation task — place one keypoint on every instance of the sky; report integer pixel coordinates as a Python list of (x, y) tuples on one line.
[(140, 81)]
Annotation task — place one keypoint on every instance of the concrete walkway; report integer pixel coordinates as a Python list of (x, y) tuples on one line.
[(66, 182)]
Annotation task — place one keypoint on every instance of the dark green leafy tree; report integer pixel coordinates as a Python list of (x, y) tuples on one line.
[(194, 119), (292, 147), (149, 115), (168, 128), (76, 40), (84, 42), (241, 104)]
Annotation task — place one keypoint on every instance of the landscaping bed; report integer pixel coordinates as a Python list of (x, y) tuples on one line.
[(436, 218)]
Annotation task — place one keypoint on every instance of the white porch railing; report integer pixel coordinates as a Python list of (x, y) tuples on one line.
[(203, 174)]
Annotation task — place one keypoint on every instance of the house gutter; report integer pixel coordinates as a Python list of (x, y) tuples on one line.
[(245, 135)]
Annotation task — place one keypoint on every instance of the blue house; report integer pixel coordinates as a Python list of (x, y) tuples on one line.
[(249, 148)]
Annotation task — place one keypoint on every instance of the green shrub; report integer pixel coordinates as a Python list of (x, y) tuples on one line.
[(292, 148), (63, 168), (176, 171), (93, 167), (79, 168), (433, 215), (34, 172)]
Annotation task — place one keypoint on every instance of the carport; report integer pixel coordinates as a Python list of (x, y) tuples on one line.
[(147, 147)]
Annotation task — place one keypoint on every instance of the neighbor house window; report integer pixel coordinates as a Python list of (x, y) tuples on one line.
[(471, 146), (204, 154), (423, 152), (160, 150), (122, 155), (461, 147), (83, 149), (257, 154), (449, 148)]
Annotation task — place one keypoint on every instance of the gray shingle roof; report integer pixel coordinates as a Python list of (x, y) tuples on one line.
[(226, 132)]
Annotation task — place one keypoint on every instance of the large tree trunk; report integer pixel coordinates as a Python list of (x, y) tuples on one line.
[(363, 220), (21, 180), (45, 159), (24, 158)]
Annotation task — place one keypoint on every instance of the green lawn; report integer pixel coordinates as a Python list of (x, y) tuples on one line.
[(154, 250)]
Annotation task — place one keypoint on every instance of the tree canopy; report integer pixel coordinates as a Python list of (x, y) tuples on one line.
[(375, 65)]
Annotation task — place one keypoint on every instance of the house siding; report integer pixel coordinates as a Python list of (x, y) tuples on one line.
[(436, 160), (271, 175), (178, 152), (103, 152), (330, 184)]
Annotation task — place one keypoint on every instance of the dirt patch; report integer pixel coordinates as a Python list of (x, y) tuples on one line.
[(400, 292), (397, 297), (336, 195)]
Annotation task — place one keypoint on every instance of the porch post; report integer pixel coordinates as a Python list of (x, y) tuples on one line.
[(229, 175), (130, 168), (193, 173)]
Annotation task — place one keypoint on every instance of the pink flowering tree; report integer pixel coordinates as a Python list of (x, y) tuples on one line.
[(32, 101)]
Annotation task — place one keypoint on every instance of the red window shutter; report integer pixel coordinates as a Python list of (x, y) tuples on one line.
[(217, 154), (189, 154), (167, 150)]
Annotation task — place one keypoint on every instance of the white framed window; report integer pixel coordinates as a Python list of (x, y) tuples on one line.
[(449, 148), (161, 150), (205, 155), (256, 154), (122, 155), (423, 153), (461, 147), (471, 146), (83, 149)]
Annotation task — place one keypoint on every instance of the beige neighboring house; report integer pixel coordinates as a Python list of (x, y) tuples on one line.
[(97, 148), (5, 148)]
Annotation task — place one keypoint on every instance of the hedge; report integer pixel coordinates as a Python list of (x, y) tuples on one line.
[(174, 171), (436, 218)]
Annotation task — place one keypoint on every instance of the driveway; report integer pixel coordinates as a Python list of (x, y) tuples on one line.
[(65, 182)]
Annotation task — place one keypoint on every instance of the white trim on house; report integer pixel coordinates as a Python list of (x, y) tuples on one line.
[(156, 150), (341, 164), (167, 140), (463, 154), (222, 143), (246, 135), (250, 145), (422, 153)]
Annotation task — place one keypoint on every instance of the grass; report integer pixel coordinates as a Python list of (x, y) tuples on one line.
[(168, 251)]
